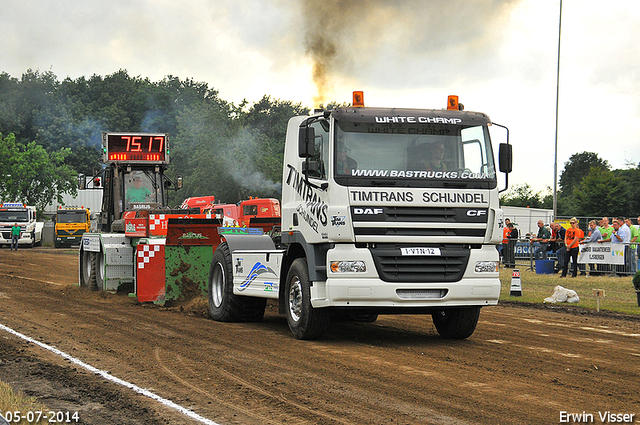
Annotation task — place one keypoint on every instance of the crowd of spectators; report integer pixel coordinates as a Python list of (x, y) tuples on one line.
[(564, 243)]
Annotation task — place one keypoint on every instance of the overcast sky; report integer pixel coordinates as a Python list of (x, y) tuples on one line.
[(499, 56)]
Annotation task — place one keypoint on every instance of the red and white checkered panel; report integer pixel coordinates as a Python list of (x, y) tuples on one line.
[(147, 252), (157, 224), (150, 272)]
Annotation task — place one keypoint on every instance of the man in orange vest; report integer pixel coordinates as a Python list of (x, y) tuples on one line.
[(505, 238)]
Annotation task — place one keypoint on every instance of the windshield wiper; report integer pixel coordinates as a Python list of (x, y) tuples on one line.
[(460, 185), (383, 183)]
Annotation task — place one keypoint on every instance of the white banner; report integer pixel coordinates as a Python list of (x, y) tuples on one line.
[(601, 253)]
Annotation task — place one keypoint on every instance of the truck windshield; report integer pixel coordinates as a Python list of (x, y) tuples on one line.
[(142, 187), (72, 217), (14, 216), (413, 154)]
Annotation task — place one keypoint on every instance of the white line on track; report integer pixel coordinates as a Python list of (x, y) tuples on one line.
[(112, 378)]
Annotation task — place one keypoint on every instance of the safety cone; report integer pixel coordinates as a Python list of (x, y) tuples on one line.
[(516, 285)]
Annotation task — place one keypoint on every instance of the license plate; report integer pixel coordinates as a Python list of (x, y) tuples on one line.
[(420, 251)]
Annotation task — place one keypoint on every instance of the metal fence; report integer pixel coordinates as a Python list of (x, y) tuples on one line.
[(626, 263)]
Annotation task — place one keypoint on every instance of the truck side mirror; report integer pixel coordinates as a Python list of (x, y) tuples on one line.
[(311, 168), (306, 136), (505, 157)]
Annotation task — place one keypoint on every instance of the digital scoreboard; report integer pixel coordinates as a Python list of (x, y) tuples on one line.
[(135, 148)]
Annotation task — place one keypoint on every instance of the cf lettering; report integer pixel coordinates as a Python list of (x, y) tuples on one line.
[(476, 213)]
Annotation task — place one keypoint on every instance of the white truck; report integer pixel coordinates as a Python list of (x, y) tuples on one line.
[(25, 216), (384, 211)]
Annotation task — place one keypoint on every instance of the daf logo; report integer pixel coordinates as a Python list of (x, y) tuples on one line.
[(476, 213), (368, 211)]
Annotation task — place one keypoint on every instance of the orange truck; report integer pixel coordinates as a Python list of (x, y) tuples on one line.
[(71, 223)]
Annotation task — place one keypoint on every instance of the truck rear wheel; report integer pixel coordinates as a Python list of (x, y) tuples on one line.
[(456, 323), (304, 321), (224, 305)]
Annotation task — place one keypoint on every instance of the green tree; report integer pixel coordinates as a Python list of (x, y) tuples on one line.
[(521, 195), (576, 168), (32, 175), (632, 177), (602, 193)]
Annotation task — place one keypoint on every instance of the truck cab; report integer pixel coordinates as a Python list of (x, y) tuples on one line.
[(24, 216), (71, 224), (384, 211)]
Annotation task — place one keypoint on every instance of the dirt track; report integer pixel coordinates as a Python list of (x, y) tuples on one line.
[(522, 365)]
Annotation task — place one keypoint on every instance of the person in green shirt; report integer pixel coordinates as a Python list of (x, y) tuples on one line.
[(137, 193), (543, 236), (605, 230), (15, 235)]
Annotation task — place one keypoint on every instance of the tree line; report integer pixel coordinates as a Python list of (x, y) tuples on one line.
[(50, 131), (587, 187)]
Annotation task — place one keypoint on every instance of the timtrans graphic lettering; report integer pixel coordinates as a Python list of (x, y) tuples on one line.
[(257, 269), (316, 208)]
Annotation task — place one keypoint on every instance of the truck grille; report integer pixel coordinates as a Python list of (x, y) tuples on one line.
[(6, 235), (70, 232), (392, 266), (405, 224)]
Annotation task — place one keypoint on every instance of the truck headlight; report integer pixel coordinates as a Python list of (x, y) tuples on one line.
[(486, 266), (348, 266)]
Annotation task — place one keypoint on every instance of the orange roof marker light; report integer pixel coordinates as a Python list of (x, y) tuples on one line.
[(358, 99), (453, 104)]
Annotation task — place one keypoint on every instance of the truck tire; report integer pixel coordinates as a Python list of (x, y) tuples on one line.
[(224, 305), (86, 261), (456, 323), (304, 321), (97, 272)]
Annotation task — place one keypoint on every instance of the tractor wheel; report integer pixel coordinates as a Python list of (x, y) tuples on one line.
[(97, 271), (86, 268)]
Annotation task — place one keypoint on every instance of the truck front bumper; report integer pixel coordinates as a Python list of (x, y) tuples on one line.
[(367, 290), (25, 239)]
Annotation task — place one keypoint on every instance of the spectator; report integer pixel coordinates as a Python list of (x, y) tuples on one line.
[(557, 237), (543, 236), (635, 235), (638, 227), (572, 239), (510, 256), (605, 229), (505, 239), (624, 236), (594, 236)]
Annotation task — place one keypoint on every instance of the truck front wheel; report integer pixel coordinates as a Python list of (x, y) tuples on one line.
[(304, 321), (224, 305), (456, 323)]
